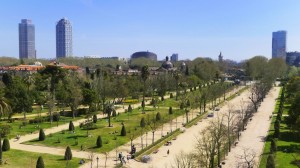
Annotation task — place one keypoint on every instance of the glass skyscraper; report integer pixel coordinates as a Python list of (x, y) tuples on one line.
[(26, 39), (63, 38), (279, 44)]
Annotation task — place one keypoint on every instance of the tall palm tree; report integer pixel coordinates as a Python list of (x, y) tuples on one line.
[(109, 108)]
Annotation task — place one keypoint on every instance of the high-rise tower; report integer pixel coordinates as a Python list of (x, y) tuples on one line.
[(63, 38), (279, 44), (26, 39)]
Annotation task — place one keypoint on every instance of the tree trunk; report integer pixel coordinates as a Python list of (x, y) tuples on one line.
[(153, 137)]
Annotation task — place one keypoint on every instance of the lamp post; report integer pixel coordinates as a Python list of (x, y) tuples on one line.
[(97, 161)]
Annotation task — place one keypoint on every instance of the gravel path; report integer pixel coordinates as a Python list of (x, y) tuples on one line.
[(253, 139), (111, 159)]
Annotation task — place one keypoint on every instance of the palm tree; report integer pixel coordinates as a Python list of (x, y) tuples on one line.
[(145, 76), (109, 108)]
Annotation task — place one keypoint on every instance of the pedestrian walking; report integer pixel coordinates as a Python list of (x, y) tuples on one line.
[(168, 152)]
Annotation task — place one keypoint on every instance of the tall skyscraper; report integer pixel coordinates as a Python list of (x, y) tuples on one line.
[(279, 44), (26, 39), (174, 57), (63, 38)]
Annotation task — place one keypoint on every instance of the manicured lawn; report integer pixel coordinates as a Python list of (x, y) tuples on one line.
[(286, 144), (22, 159), (18, 128), (110, 135)]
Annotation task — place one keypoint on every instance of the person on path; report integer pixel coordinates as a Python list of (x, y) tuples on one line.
[(120, 157), (123, 159), (168, 152)]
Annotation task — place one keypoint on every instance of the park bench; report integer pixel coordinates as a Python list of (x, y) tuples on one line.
[(155, 152)]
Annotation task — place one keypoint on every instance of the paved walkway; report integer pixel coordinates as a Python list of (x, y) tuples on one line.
[(59, 151), (185, 142), (253, 138)]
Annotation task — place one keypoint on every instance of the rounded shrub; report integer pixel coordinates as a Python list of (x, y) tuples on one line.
[(42, 135), (40, 162), (158, 117), (129, 108), (68, 153), (170, 110), (99, 142), (95, 118), (6, 145), (71, 126), (123, 131)]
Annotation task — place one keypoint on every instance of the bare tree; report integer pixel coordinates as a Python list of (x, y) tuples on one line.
[(230, 116), (184, 160), (106, 156), (247, 158)]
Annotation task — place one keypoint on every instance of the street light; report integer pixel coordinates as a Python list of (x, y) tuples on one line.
[(97, 161)]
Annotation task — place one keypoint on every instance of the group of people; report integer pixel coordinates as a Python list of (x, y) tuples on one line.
[(122, 158)]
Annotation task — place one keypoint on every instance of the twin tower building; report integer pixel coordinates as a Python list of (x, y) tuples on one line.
[(27, 39)]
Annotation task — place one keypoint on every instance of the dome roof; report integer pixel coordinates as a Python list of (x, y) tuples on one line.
[(167, 65)]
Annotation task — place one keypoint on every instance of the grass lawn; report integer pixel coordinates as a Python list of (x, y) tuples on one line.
[(286, 144), (18, 128), (21, 159), (110, 135)]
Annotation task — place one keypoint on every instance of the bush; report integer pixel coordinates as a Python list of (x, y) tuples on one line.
[(114, 113), (99, 142), (123, 131), (170, 110), (273, 148), (68, 153), (181, 106), (56, 116), (95, 118), (6, 145), (5, 130), (158, 117), (71, 126), (40, 162), (171, 95), (162, 98), (270, 162), (129, 108), (42, 135)]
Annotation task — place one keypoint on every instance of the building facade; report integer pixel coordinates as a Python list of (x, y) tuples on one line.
[(27, 39), (293, 58), (64, 44), (174, 57), (279, 44)]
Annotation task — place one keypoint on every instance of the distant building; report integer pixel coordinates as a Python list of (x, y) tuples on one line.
[(26, 39), (64, 46), (144, 54), (220, 57), (279, 44), (174, 57), (293, 58)]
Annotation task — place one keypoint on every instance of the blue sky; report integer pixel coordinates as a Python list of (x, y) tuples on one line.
[(192, 28)]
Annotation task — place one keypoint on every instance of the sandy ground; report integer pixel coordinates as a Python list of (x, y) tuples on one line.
[(253, 138)]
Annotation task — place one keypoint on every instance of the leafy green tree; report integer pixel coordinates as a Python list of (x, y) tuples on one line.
[(42, 135), (145, 73), (6, 145), (40, 162), (99, 142), (68, 153), (71, 126), (5, 109), (270, 161), (123, 131), (19, 97), (1, 161)]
